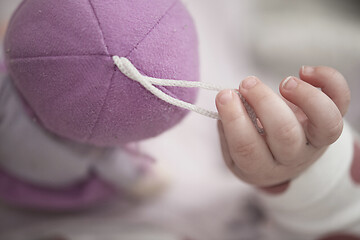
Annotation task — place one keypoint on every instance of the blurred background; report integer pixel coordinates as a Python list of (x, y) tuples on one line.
[(288, 34), (273, 39), (237, 38)]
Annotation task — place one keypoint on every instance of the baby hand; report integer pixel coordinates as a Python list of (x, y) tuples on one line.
[(298, 126)]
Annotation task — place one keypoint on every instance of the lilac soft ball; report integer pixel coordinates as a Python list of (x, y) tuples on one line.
[(59, 54)]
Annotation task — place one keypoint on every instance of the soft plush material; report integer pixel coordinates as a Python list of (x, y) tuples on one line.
[(39, 170), (58, 54)]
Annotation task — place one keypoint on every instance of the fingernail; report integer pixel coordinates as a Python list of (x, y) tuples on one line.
[(226, 97), (307, 70), (289, 83), (249, 82)]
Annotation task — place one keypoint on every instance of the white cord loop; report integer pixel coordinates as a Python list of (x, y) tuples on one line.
[(129, 70)]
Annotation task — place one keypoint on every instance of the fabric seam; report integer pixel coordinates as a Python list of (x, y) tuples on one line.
[(101, 30), (156, 24), (162, 88), (111, 81), (91, 133), (102, 107)]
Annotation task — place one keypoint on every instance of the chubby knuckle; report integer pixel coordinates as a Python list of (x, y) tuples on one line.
[(288, 134), (234, 119), (311, 99), (265, 97), (244, 170), (334, 74), (334, 130), (244, 150), (251, 169)]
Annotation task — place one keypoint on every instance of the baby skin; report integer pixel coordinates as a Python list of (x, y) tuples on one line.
[(300, 127)]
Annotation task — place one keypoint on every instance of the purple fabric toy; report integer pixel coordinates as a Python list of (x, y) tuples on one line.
[(59, 55)]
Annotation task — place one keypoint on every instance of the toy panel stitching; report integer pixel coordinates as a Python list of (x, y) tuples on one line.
[(98, 22), (156, 24), (91, 133)]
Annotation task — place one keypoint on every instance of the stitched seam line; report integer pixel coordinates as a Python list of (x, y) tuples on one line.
[(111, 79), (162, 88), (101, 31), (156, 24), (102, 108)]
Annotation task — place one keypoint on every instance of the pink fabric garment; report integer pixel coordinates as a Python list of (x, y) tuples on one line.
[(59, 55), (80, 195)]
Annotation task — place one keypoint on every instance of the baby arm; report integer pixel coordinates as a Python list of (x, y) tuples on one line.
[(304, 152)]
